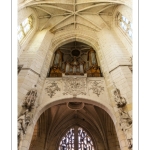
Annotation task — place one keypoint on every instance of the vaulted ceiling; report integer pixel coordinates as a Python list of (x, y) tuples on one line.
[(57, 15), (57, 120)]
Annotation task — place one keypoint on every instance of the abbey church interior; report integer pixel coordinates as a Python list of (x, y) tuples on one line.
[(74, 75)]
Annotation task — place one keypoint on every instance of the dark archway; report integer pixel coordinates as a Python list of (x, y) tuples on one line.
[(57, 120)]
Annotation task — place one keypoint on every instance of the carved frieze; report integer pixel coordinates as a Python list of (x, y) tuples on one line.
[(74, 86), (52, 88), (96, 87)]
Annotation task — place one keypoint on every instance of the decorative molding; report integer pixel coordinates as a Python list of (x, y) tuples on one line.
[(52, 88), (118, 66), (75, 105), (96, 87), (120, 101), (30, 99), (31, 70), (74, 86), (24, 121), (126, 126)]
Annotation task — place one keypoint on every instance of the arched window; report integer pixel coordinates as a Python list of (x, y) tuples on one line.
[(125, 24), (76, 138), (24, 28)]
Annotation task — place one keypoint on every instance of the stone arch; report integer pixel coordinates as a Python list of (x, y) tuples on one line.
[(65, 37), (78, 35), (27, 138)]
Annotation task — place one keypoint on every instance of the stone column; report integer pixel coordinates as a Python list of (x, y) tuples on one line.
[(36, 61), (32, 60), (114, 60), (76, 137)]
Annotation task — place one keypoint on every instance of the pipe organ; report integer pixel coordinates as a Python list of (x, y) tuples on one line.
[(75, 63)]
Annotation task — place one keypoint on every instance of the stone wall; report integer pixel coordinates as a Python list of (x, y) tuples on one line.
[(22, 15), (126, 41), (35, 65)]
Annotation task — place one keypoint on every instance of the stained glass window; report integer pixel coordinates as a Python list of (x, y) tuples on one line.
[(125, 24), (24, 28), (84, 141), (67, 142)]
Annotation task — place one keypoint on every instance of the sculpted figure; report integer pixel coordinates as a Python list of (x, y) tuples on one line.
[(30, 99), (23, 122), (126, 126), (120, 101)]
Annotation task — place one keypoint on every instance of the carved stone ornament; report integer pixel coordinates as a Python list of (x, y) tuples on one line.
[(30, 99), (23, 121), (52, 88), (74, 86), (126, 126), (96, 88), (120, 101)]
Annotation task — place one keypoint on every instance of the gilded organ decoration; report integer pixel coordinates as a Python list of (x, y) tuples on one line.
[(56, 70), (75, 59), (74, 86), (52, 88)]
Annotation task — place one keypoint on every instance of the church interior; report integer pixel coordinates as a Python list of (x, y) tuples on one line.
[(74, 75)]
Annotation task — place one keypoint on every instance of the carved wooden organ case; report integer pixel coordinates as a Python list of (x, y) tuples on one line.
[(75, 62)]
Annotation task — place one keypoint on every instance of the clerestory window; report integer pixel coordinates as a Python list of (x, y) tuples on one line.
[(24, 28), (76, 138), (125, 24)]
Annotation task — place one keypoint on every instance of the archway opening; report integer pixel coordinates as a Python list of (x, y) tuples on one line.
[(57, 120)]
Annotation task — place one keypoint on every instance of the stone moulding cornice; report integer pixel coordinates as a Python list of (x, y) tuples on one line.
[(31, 70), (119, 66)]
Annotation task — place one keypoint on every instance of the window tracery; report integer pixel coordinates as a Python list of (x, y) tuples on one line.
[(125, 24), (67, 142), (84, 140), (25, 27)]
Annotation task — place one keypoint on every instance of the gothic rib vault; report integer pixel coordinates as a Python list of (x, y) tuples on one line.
[(57, 15)]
